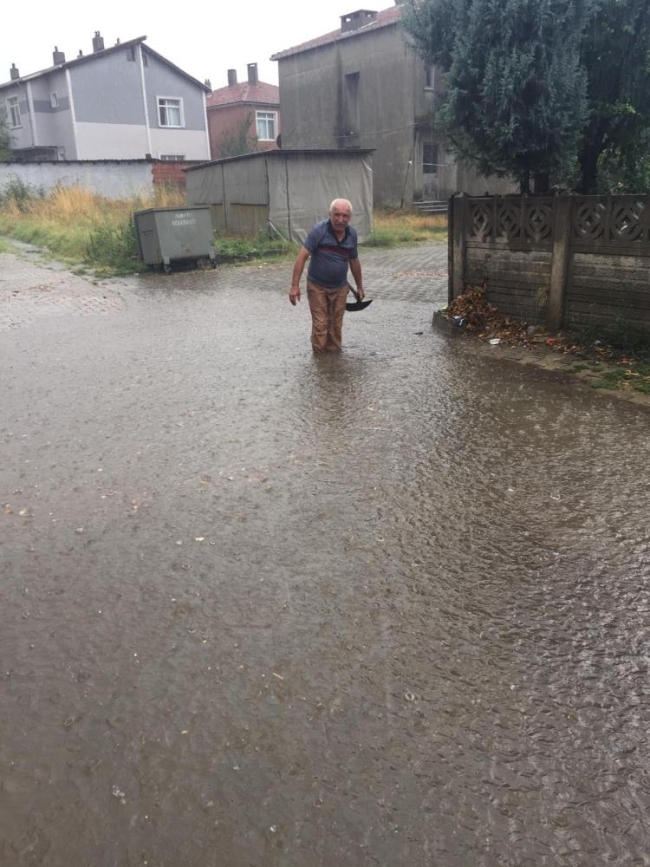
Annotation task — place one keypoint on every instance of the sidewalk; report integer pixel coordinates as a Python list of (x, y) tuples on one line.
[(32, 287)]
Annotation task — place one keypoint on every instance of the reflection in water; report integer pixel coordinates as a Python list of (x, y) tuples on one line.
[(384, 608)]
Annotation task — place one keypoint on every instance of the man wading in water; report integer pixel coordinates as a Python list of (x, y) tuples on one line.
[(331, 246)]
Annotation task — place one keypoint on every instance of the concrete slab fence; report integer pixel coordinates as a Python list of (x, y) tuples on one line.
[(114, 179), (562, 260)]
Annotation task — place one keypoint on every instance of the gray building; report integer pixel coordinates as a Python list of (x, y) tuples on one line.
[(121, 102), (363, 86)]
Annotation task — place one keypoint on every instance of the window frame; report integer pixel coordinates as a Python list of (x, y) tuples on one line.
[(54, 99), (268, 115), (181, 113), (173, 158), (13, 112)]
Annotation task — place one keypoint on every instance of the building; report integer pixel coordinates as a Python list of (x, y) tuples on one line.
[(363, 86), (282, 192), (243, 117), (117, 103)]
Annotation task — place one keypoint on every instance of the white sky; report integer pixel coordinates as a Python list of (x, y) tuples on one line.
[(205, 39)]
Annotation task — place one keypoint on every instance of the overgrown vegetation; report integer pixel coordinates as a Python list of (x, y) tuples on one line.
[(6, 139), (238, 141), (548, 91), (78, 226), (395, 228), (86, 230)]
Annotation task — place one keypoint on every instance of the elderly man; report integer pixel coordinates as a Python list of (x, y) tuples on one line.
[(331, 246)]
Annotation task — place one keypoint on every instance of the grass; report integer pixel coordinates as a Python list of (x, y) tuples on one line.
[(399, 228), (89, 232), (77, 226)]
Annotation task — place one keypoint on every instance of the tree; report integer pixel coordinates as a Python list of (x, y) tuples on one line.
[(615, 52), (6, 139), (515, 96), (613, 58), (238, 141)]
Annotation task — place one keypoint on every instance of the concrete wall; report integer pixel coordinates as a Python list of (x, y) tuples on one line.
[(115, 180), (324, 107), (371, 90), (568, 261)]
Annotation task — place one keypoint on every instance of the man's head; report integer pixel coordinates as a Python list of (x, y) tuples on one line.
[(340, 213)]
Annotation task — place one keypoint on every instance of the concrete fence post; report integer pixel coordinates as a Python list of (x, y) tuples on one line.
[(559, 262), (458, 241)]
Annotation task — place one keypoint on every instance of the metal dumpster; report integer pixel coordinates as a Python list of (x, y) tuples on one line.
[(167, 235)]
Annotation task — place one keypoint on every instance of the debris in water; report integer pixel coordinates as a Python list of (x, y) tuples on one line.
[(119, 794)]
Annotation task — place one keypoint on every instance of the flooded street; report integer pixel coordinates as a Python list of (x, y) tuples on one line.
[(261, 609)]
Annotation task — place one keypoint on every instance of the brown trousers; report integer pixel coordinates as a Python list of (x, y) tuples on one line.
[(327, 307)]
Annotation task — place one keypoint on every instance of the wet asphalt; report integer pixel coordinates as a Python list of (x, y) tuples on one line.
[(260, 608)]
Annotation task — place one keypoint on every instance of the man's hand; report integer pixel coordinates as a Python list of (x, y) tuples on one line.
[(294, 294), (361, 294)]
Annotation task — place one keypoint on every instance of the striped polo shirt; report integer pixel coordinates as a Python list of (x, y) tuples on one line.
[(328, 265)]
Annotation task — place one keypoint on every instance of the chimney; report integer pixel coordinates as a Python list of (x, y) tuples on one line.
[(81, 54), (57, 56), (232, 77), (356, 20), (98, 42), (208, 83), (14, 73), (252, 74)]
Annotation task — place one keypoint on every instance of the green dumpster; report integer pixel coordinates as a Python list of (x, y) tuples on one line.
[(167, 235)]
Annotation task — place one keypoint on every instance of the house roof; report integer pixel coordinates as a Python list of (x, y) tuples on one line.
[(86, 58), (267, 94), (383, 19)]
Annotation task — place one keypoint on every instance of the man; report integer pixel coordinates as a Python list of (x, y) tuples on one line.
[(331, 246)]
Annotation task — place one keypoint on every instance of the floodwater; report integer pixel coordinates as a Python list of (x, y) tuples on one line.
[(257, 608)]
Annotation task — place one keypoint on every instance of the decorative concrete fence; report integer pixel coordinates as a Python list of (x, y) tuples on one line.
[(562, 260)]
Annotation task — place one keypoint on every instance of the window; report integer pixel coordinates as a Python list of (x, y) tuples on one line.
[(351, 104), (430, 78), (265, 122), (430, 158), (170, 111), (172, 158), (130, 53), (13, 110), (54, 99)]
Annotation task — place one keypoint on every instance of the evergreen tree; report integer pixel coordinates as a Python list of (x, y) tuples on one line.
[(615, 52), (515, 96)]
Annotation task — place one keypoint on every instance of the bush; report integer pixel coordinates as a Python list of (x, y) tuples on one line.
[(113, 245), (18, 193)]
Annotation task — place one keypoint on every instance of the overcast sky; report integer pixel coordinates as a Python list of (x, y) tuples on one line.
[(204, 39)]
